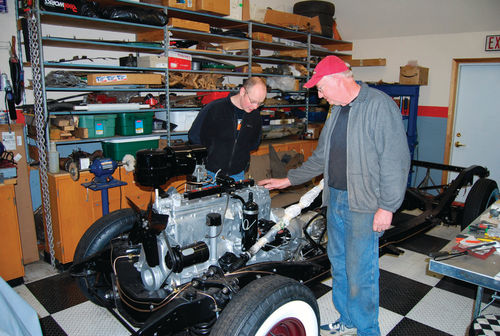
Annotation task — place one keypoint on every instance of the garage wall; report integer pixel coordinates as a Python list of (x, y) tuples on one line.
[(435, 52)]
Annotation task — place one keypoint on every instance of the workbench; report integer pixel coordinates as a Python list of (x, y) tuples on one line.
[(471, 269)]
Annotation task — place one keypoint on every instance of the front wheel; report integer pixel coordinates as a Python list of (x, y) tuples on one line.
[(97, 238), (272, 305)]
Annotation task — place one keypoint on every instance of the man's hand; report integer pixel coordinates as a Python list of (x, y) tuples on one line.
[(382, 220), (275, 183)]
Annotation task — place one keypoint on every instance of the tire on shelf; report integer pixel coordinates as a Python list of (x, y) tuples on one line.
[(325, 10), (270, 305), (97, 238), (314, 6), (482, 194)]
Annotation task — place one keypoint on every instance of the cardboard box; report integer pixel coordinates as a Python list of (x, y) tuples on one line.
[(413, 75), (217, 7), (181, 4), (236, 45), (290, 20), (176, 60), (313, 130), (253, 13), (22, 189), (256, 68), (346, 46), (293, 53), (158, 34), (188, 24), (265, 37), (124, 79), (368, 62)]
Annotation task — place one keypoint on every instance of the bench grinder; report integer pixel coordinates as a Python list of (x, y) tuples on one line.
[(103, 170)]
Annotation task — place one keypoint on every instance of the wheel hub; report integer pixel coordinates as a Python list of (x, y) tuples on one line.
[(288, 327)]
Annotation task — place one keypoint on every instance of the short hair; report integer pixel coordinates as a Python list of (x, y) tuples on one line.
[(345, 74), (252, 81)]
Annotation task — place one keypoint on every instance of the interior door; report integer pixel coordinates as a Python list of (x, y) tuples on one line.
[(474, 138)]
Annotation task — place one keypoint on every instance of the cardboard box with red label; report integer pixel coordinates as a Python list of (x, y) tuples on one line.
[(176, 60)]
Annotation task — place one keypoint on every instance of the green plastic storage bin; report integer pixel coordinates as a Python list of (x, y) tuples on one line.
[(99, 125), (117, 148), (135, 123)]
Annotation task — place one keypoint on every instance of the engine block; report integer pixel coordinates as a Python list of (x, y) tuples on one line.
[(188, 233), (187, 225)]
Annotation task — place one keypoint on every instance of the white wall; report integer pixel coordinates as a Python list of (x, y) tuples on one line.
[(433, 51), (361, 19)]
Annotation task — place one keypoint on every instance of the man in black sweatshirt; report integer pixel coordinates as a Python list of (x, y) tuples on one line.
[(231, 128)]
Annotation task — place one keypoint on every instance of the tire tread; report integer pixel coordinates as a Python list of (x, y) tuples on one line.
[(477, 199), (240, 311)]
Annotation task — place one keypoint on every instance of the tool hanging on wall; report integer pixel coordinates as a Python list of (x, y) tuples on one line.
[(16, 76), (9, 98)]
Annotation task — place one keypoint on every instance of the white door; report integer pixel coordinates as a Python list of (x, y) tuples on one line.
[(475, 137)]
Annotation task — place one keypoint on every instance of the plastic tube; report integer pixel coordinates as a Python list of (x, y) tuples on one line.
[(111, 107), (291, 212), (53, 158)]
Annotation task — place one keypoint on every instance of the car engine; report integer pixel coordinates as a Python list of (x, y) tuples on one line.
[(207, 230)]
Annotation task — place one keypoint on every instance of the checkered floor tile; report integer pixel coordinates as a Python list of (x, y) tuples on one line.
[(412, 300)]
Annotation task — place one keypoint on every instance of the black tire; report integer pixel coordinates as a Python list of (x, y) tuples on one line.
[(97, 238), (314, 6), (482, 194), (272, 303), (324, 10)]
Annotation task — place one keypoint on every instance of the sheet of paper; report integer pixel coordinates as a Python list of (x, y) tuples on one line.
[(9, 140)]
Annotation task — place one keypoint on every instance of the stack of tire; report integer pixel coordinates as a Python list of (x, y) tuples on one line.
[(324, 9)]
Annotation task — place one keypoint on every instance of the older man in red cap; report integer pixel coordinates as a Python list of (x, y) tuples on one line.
[(363, 155)]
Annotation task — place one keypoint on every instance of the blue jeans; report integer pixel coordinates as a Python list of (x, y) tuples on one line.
[(237, 177), (353, 253)]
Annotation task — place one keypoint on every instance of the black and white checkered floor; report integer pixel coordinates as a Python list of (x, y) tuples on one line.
[(412, 301)]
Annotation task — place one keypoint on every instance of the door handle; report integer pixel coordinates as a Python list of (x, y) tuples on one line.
[(459, 144)]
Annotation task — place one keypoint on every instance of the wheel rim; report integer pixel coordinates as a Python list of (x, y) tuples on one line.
[(288, 327)]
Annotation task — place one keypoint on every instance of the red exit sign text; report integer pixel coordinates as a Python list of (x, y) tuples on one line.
[(492, 42)]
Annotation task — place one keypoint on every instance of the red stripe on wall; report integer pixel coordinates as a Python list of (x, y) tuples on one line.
[(433, 111)]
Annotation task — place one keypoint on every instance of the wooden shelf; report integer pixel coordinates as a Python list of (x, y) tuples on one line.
[(367, 62)]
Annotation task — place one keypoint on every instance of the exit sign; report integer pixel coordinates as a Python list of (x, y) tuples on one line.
[(492, 43)]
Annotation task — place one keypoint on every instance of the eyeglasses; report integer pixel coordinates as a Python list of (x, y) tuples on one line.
[(253, 102)]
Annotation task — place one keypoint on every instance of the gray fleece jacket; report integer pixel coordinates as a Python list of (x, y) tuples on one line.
[(378, 159)]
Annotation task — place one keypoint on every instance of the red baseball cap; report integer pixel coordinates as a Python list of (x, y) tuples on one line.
[(327, 66)]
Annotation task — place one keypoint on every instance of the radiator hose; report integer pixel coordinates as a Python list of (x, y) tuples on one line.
[(290, 212)]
